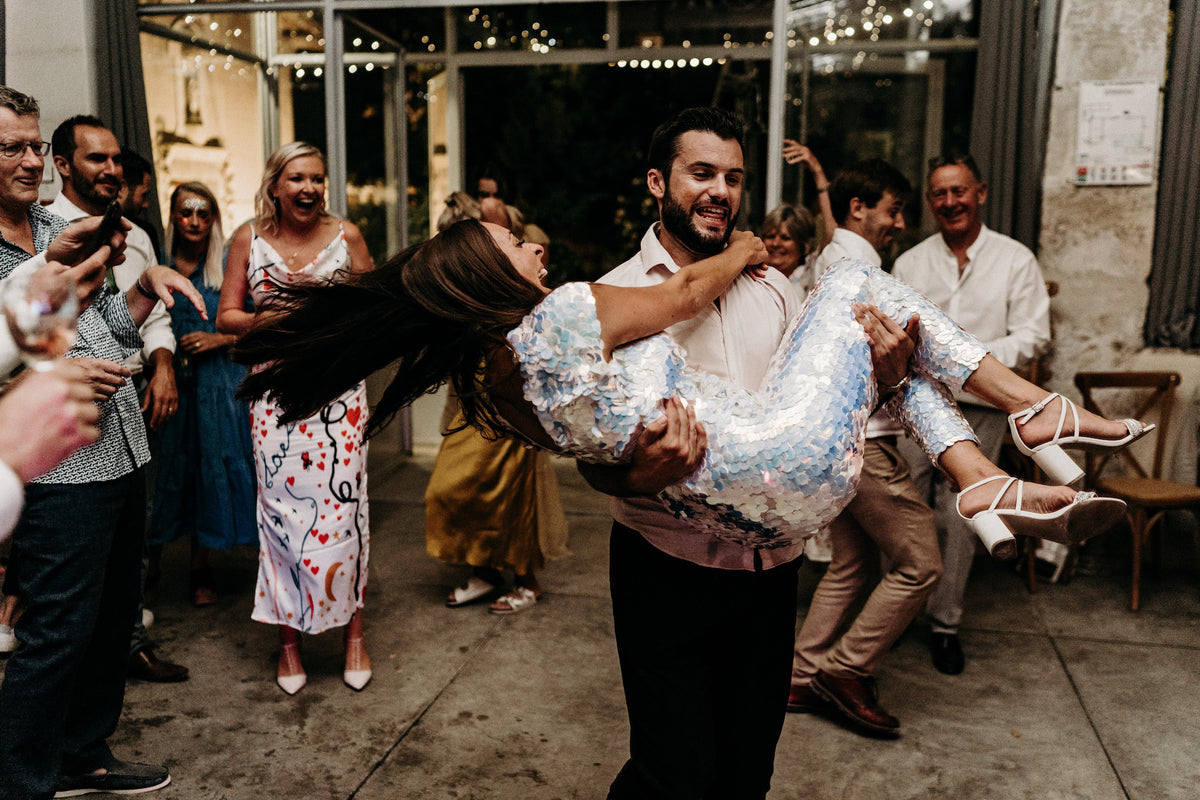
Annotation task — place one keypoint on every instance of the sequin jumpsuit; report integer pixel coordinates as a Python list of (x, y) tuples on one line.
[(782, 461)]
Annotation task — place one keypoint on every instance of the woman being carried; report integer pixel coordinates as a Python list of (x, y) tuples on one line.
[(582, 370)]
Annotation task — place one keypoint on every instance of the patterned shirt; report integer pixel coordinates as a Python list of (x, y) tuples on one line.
[(107, 331)]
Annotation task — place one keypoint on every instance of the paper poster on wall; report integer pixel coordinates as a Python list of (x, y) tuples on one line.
[(1118, 121)]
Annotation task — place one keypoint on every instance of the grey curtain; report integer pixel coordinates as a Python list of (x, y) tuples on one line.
[(120, 89), (1171, 316), (1010, 118)]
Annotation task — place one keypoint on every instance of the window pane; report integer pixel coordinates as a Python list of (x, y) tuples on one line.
[(581, 176), (691, 23), (846, 21), (204, 119), (419, 30), (538, 28)]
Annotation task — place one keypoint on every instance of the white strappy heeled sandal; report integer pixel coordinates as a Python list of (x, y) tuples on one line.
[(1059, 467), (1084, 517)]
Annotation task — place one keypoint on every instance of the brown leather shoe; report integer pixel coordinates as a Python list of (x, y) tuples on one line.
[(857, 702), (803, 700), (145, 665)]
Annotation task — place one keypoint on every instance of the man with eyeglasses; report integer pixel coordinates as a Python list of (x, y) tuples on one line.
[(992, 286), (91, 164), (78, 542)]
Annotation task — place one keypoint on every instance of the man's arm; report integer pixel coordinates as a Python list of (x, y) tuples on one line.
[(669, 450), (891, 345)]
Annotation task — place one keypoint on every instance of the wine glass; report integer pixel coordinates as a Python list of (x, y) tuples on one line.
[(42, 311)]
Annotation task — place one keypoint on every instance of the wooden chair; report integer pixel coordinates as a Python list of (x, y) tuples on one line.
[(1148, 494)]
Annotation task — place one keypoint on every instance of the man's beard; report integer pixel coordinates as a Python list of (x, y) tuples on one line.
[(677, 221), (91, 192)]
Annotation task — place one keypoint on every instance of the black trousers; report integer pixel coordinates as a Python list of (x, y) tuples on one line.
[(79, 549), (706, 659)]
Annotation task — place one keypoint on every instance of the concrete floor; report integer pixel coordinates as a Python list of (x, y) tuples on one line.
[(1067, 694)]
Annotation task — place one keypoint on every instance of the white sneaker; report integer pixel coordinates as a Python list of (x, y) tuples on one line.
[(147, 618), (8, 640)]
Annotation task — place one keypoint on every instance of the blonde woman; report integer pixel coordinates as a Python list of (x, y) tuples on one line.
[(313, 523), (205, 480)]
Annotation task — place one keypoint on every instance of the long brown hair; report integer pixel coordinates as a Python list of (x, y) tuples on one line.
[(438, 310)]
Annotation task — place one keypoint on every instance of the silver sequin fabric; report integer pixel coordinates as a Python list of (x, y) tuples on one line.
[(783, 461)]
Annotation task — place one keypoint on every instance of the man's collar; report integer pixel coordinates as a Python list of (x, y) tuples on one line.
[(653, 252), (857, 246), (68, 210)]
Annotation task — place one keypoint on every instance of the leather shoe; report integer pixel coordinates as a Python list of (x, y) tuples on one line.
[(856, 700), (947, 653), (145, 666), (122, 777), (803, 700)]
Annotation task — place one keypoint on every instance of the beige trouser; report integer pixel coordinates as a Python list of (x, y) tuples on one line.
[(886, 516)]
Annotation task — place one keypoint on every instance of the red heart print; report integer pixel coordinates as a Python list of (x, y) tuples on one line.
[(353, 415), (269, 411), (315, 570), (307, 561), (303, 427), (291, 480), (346, 461), (324, 537), (321, 466)]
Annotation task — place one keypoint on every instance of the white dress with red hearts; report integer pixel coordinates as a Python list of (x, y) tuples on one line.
[(313, 527)]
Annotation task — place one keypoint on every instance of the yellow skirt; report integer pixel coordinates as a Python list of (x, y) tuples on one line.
[(493, 504)]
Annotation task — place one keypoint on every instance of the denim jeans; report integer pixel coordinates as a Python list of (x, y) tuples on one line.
[(79, 547)]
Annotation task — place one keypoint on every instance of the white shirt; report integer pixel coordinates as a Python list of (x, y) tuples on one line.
[(848, 244), (139, 256), (12, 499), (735, 343), (999, 296)]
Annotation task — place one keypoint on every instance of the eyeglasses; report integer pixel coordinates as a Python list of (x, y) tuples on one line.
[(17, 149)]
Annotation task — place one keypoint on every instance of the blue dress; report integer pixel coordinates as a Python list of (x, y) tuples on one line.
[(205, 483), (783, 461)]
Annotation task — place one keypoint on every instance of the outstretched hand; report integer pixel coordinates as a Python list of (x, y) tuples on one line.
[(890, 344), (670, 449), (164, 282)]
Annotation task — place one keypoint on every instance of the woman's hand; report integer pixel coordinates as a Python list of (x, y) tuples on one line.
[(796, 153), (751, 249), (200, 342)]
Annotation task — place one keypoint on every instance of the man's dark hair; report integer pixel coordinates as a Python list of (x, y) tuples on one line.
[(63, 140), (866, 180), (136, 168), (956, 159), (20, 104), (664, 143)]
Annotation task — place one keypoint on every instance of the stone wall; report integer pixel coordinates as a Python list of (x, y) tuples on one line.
[(1096, 242)]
